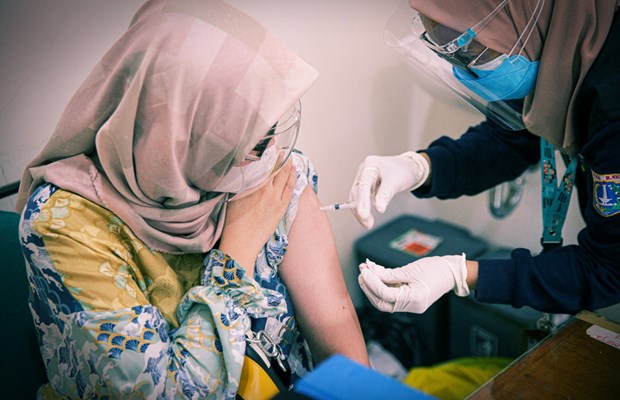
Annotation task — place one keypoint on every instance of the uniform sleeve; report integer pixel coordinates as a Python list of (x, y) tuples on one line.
[(483, 157), (575, 277), (128, 348)]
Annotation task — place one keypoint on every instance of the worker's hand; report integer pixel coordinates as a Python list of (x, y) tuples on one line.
[(414, 287), (380, 178), (252, 217)]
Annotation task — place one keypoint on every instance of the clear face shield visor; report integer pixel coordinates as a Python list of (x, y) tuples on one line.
[(267, 157), (442, 53)]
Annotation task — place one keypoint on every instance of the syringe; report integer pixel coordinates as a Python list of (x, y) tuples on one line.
[(338, 206)]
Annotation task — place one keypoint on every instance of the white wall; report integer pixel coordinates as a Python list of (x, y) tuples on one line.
[(366, 101)]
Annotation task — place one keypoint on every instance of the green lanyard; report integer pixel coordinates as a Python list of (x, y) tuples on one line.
[(555, 199)]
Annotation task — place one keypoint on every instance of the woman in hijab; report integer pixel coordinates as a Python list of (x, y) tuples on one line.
[(167, 226), (546, 74)]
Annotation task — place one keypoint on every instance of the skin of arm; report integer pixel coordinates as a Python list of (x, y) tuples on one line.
[(311, 272), (428, 180), (472, 274)]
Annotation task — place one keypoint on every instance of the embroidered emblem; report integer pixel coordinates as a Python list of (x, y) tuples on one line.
[(606, 193)]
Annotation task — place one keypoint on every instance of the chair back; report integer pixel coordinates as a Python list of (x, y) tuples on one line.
[(22, 369)]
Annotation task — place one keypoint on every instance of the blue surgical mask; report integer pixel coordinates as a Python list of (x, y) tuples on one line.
[(511, 78)]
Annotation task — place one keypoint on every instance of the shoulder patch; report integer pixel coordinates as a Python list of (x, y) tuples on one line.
[(606, 192)]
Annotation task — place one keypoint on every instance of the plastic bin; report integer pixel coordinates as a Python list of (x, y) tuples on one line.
[(409, 238), (491, 330)]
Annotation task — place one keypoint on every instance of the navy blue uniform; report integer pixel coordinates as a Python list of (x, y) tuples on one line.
[(569, 278)]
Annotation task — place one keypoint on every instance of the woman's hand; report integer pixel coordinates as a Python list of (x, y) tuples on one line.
[(252, 217)]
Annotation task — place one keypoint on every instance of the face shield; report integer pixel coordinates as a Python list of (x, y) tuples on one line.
[(267, 157), (494, 83)]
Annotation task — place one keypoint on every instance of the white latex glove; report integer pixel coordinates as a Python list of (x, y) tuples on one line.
[(413, 287), (380, 178)]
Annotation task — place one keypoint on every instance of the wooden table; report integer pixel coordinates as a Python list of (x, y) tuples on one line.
[(570, 364)]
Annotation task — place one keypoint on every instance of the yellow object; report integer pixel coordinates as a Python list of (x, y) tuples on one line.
[(455, 379), (255, 382)]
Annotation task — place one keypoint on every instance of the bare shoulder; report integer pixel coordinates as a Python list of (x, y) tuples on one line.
[(309, 199), (311, 224)]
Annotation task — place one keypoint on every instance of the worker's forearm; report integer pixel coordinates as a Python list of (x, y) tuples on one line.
[(472, 274)]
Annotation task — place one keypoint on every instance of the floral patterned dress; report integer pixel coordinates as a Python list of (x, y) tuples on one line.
[(118, 320)]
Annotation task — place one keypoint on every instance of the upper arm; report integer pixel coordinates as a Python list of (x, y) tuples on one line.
[(311, 272), (310, 269)]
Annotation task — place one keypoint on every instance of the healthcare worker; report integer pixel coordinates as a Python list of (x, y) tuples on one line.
[(547, 75)]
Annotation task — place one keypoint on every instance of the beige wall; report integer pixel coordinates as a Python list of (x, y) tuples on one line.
[(366, 101)]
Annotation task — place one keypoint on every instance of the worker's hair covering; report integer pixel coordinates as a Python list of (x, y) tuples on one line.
[(566, 40), (182, 96)]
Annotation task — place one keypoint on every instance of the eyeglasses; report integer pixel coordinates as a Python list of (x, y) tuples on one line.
[(259, 149), (458, 48), (283, 135), (463, 57)]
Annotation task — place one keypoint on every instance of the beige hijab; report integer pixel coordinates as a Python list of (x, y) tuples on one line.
[(184, 94), (566, 40)]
